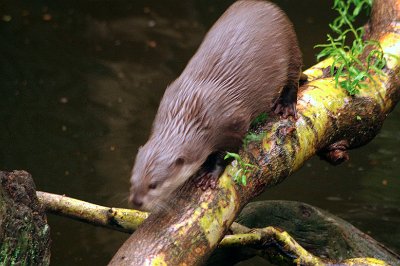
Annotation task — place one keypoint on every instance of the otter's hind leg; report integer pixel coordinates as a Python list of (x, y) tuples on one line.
[(285, 105)]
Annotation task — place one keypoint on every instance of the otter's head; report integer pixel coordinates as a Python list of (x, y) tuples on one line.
[(158, 172)]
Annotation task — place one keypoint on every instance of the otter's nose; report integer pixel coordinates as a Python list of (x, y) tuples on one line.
[(137, 201)]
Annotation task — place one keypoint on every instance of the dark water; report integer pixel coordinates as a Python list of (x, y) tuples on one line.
[(80, 82)]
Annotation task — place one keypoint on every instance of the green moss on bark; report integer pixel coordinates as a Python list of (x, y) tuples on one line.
[(24, 233)]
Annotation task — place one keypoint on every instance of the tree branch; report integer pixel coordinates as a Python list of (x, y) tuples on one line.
[(124, 220), (271, 240), (191, 226)]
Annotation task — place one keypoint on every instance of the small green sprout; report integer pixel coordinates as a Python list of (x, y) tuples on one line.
[(348, 70), (244, 168), (261, 118), (358, 118), (252, 137)]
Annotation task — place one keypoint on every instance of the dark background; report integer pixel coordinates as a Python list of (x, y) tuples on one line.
[(80, 82)]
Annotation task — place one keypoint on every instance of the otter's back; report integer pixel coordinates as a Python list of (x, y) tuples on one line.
[(239, 69), (250, 45)]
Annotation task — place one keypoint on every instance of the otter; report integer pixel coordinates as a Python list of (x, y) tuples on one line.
[(248, 63)]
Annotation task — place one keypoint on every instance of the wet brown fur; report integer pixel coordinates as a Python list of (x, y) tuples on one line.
[(246, 59)]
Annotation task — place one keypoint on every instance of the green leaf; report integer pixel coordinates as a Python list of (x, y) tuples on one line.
[(244, 182), (345, 57), (232, 155)]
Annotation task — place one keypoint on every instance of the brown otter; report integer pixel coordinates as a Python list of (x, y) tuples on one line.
[(248, 63)]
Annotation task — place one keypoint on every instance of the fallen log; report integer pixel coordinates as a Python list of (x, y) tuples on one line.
[(24, 232), (323, 238)]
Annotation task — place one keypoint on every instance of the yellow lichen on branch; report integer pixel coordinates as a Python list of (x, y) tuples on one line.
[(127, 220), (116, 218), (327, 116)]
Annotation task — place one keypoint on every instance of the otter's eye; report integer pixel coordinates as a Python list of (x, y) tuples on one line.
[(153, 185), (180, 161)]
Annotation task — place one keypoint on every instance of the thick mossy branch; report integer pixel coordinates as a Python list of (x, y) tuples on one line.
[(197, 220)]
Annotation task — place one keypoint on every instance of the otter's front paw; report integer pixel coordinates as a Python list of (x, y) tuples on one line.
[(207, 180), (286, 109)]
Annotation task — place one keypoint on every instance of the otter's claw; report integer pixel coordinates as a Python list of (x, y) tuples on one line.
[(286, 109), (208, 174), (207, 180)]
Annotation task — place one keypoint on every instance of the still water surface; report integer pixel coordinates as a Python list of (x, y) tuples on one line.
[(80, 82)]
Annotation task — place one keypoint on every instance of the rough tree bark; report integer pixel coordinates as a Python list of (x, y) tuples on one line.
[(24, 233), (320, 233), (187, 232), (265, 229)]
